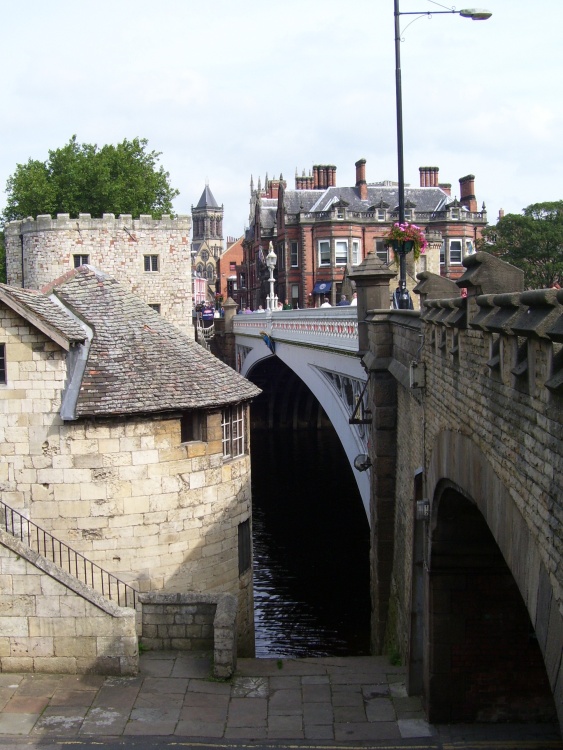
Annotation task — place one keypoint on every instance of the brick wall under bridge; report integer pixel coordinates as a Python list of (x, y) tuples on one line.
[(471, 596)]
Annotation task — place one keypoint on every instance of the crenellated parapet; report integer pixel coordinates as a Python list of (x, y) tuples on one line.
[(85, 222), (151, 255), (522, 330)]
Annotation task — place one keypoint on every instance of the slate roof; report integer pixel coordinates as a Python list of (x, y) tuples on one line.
[(138, 362), (424, 199), (44, 310), (207, 200)]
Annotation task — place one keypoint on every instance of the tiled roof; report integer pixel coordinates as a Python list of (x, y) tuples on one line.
[(424, 199), (138, 362), (46, 311), (207, 200)]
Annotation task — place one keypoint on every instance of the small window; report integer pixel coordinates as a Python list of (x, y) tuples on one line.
[(151, 263), (355, 252), (3, 379), (381, 214), (155, 306), (80, 260), (193, 426), (341, 254), (232, 431), (294, 250), (455, 252), (244, 547), (382, 251), (443, 254), (232, 266), (295, 295), (324, 253)]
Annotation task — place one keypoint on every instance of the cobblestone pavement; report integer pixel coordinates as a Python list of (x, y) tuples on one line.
[(353, 700)]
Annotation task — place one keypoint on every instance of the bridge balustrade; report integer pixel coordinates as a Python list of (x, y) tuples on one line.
[(332, 328)]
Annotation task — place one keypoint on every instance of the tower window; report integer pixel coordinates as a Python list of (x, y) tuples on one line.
[(151, 263)]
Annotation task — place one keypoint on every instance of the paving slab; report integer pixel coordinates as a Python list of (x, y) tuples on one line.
[(17, 724), (105, 721), (60, 720)]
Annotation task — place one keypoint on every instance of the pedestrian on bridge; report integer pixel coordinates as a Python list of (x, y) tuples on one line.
[(326, 303), (343, 301)]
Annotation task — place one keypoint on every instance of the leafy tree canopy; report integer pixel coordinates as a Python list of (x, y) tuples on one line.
[(532, 241), (82, 178)]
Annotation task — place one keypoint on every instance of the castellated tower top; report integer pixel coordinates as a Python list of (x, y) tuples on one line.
[(151, 256)]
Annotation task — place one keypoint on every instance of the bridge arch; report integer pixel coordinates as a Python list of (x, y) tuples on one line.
[(480, 545), (334, 378)]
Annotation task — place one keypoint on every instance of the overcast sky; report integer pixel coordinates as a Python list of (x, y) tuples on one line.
[(226, 89)]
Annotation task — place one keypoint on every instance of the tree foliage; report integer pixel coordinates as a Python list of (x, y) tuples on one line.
[(82, 178), (532, 241)]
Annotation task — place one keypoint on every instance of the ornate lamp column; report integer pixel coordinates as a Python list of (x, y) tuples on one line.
[(271, 260)]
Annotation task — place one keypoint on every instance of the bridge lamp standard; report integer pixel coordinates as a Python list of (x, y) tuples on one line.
[(403, 248), (271, 260)]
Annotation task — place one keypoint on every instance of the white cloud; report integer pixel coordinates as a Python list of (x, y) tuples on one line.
[(229, 89)]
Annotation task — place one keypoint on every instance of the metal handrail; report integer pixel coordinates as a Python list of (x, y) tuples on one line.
[(73, 562)]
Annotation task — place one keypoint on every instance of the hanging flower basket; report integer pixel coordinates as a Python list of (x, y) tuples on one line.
[(406, 237)]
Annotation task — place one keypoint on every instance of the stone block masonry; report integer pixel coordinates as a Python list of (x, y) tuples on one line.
[(51, 622), (159, 513), (151, 256), (192, 622)]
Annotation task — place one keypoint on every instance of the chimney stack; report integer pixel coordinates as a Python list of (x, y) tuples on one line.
[(361, 183), (467, 192)]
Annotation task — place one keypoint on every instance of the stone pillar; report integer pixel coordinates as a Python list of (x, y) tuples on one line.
[(372, 279)]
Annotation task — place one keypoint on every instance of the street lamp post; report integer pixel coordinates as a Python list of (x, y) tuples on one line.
[(403, 248), (271, 260)]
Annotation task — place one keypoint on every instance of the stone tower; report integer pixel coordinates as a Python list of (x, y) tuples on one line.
[(207, 243)]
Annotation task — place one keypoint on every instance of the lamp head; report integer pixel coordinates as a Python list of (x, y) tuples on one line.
[(476, 14)]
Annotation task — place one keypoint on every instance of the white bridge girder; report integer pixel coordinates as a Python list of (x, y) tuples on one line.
[(336, 379)]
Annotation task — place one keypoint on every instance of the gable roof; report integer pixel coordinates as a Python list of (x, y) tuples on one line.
[(44, 314), (137, 361)]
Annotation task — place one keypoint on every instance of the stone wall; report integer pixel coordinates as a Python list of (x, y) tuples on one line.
[(192, 622), (38, 251), (127, 493), (50, 622), (486, 420)]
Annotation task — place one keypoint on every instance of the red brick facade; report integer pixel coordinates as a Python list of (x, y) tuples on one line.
[(320, 232)]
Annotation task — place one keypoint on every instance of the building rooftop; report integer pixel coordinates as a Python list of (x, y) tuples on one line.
[(137, 362)]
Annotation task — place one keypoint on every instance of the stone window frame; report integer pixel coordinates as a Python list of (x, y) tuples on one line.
[(340, 258), (80, 260), (322, 247), (294, 253), (193, 427), (155, 306), (233, 431), (244, 547), (382, 250), (152, 263), (3, 368), (356, 257)]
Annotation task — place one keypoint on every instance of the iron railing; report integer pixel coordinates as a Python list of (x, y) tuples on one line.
[(59, 553)]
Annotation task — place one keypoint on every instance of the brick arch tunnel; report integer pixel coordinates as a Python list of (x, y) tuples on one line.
[(485, 663), (493, 632)]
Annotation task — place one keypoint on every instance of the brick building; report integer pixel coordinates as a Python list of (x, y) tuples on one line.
[(125, 439), (321, 231), (228, 266)]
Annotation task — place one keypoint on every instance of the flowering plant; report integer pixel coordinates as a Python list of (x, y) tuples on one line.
[(407, 233)]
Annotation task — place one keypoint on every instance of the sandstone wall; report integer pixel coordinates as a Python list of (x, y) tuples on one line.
[(43, 249), (127, 493), (50, 622)]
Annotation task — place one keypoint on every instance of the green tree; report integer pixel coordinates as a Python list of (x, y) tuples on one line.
[(82, 178), (532, 241)]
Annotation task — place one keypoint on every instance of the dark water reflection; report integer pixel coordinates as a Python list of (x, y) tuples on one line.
[(311, 548)]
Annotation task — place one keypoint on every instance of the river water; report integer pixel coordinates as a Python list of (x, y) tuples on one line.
[(311, 547)]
